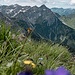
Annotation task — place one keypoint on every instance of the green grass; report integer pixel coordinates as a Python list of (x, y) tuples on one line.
[(14, 51), (69, 21)]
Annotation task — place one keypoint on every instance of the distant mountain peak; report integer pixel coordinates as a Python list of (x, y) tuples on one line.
[(43, 6), (16, 5), (34, 7)]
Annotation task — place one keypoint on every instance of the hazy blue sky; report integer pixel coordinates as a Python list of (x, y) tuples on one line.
[(48, 3)]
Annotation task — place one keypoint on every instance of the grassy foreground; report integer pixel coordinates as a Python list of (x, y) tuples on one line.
[(14, 50)]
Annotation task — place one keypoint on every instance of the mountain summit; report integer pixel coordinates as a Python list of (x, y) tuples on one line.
[(43, 6)]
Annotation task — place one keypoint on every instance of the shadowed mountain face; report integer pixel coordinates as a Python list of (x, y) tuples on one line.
[(1, 16), (46, 25), (5, 19), (10, 22)]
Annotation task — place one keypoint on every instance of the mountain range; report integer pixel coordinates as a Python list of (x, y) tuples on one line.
[(69, 20), (45, 23), (62, 11)]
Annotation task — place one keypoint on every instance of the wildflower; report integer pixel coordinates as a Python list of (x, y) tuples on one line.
[(29, 30), (28, 68), (29, 62), (33, 65), (49, 72), (25, 73), (62, 71), (40, 61), (40, 58)]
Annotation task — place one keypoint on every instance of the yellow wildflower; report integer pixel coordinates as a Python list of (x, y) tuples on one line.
[(33, 65), (27, 62)]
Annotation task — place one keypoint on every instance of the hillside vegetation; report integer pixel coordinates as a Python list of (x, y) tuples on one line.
[(69, 20), (14, 50)]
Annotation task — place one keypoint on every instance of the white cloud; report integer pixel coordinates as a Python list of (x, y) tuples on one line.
[(6, 1), (10, 1), (48, 3), (72, 2), (63, 1), (53, 3)]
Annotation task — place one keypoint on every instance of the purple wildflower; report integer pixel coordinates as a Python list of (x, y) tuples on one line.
[(49, 72), (62, 71), (25, 73)]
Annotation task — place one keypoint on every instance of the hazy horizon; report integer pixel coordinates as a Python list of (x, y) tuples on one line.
[(48, 3)]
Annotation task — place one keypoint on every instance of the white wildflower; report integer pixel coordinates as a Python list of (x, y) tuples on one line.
[(40, 58)]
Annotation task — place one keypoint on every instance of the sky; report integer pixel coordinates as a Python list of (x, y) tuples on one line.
[(48, 3)]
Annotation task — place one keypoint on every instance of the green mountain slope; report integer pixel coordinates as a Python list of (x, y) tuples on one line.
[(69, 20)]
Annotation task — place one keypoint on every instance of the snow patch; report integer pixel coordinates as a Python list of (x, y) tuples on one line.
[(44, 9), (24, 10), (39, 14), (34, 11), (11, 10), (14, 15)]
